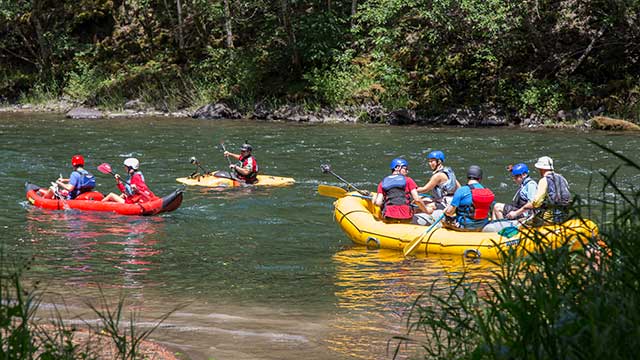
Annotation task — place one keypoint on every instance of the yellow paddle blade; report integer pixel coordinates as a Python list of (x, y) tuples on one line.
[(331, 191)]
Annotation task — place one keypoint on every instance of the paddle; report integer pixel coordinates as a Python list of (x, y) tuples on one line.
[(338, 192), (331, 191), (105, 168), (413, 245), (225, 150), (326, 168)]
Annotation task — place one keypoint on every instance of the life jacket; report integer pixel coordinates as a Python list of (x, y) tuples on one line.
[(252, 177), (143, 193), (87, 183), (520, 199), (446, 189), (397, 200), (481, 199)]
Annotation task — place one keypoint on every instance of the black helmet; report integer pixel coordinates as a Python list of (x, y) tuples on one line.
[(474, 172), (246, 147)]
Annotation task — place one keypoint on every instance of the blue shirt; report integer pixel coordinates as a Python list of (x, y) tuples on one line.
[(75, 179), (462, 199)]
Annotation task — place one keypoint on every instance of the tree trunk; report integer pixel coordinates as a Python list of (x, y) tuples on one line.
[(227, 25), (291, 37), (354, 7), (180, 34)]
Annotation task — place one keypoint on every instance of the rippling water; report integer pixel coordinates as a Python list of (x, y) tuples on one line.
[(261, 273)]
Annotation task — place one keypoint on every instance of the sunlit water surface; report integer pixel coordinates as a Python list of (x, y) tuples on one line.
[(254, 273)]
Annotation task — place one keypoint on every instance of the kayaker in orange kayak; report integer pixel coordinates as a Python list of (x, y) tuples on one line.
[(134, 189), (247, 167)]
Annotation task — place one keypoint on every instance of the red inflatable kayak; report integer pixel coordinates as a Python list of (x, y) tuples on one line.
[(90, 201)]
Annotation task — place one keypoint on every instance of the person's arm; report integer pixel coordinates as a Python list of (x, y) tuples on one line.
[(378, 199), (435, 180), (537, 201), (240, 170), (235, 156), (418, 200), (70, 183), (450, 210)]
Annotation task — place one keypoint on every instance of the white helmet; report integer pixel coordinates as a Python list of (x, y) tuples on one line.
[(132, 163), (544, 163)]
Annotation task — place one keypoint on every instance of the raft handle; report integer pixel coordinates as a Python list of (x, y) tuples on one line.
[(372, 243), (471, 253)]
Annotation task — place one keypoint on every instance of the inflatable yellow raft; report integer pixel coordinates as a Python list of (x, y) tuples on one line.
[(358, 218), (210, 180)]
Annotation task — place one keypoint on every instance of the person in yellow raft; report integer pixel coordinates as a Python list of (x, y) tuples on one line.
[(247, 167), (395, 192), (552, 198)]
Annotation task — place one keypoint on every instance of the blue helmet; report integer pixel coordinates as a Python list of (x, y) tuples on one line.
[(436, 154), (519, 169), (398, 162)]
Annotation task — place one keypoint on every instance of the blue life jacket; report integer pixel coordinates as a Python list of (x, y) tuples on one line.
[(446, 189), (393, 186), (87, 183)]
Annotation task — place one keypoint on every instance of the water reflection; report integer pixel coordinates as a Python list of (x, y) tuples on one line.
[(375, 289), (87, 248)]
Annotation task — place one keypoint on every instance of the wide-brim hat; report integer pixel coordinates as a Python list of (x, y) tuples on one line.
[(544, 163)]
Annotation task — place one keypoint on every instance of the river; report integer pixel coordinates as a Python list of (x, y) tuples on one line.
[(257, 273)]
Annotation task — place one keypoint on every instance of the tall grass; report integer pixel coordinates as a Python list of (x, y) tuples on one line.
[(551, 304), (24, 336)]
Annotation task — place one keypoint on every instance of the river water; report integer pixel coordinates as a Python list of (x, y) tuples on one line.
[(257, 273)]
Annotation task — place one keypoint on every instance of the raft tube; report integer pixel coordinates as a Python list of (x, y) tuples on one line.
[(359, 219), (90, 201), (210, 180)]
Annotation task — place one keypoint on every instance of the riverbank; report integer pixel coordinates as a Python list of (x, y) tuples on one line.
[(486, 116)]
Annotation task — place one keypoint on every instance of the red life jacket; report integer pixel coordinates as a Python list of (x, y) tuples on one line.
[(482, 200), (252, 177)]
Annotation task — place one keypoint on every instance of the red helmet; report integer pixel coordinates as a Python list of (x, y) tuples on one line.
[(77, 160)]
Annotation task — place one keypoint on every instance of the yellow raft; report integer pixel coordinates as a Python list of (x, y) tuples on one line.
[(210, 180), (359, 219)]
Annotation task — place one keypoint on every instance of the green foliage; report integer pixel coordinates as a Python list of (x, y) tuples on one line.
[(529, 57), (552, 304)]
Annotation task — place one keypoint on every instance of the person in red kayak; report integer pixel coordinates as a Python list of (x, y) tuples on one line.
[(247, 167), (134, 189), (80, 181)]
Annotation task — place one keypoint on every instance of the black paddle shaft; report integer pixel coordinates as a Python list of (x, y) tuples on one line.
[(327, 169), (224, 149)]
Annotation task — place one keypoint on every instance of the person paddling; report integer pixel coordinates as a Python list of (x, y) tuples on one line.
[(80, 181), (471, 203), (527, 189), (552, 197), (135, 190), (247, 167), (396, 191), (442, 184)]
